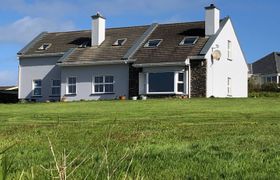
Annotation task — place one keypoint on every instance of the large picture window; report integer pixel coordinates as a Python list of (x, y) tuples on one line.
[(103, 84), (37, 87), (161, 82), (72, 87)]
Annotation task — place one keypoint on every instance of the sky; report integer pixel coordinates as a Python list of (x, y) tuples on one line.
[(257, 22)]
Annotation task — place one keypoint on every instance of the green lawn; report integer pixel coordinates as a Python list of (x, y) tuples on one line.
[(154, 139)]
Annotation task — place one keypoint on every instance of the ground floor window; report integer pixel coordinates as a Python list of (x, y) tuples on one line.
[(103, 84), (71, 85), (161, 82), (165, 83), (37, 87), (55, 87)]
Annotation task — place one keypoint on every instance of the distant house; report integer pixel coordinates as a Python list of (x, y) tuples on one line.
[(267, 69), (194, 59), (8, 94)]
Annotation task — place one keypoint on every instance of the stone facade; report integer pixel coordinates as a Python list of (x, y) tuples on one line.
[(198, 78)]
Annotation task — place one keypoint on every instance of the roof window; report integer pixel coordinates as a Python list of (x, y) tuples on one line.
[(45, 46), (120, 42), (191, 40), (153, 43)]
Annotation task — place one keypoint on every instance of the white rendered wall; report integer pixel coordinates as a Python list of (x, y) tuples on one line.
[(212, 21), (34, 69), (219, 71), (98, 31), (84, 77)]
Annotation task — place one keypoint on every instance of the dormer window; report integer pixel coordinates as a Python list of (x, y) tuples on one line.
[(153, 43), (120, 42), (189, 40), (44, 47)]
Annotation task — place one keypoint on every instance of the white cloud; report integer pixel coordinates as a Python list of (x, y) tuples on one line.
[(25, 29), (8, 78)]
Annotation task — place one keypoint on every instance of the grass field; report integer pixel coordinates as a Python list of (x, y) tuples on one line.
[(154, 139)]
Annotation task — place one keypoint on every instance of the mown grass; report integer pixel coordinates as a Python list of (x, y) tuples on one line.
[(154, 139)]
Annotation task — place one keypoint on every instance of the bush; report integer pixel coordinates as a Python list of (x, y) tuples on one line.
[(264, 94)]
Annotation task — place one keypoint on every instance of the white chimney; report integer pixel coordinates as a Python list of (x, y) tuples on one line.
[(98, 29), (212, 20)]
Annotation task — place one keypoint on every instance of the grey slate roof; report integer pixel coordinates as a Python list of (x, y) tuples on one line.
[(107, 52), (169, 50), (68, 44), (269, 64), (60, 42)]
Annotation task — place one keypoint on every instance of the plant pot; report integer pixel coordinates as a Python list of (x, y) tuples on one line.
[(122, 98), (143, 98), (134, 98)]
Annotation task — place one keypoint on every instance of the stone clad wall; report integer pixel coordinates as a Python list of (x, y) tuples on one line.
[(198, 78)]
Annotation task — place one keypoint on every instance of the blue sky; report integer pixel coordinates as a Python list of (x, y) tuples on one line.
[(256, 21)]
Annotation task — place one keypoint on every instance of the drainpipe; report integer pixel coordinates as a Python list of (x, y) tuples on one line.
[(187, 62)]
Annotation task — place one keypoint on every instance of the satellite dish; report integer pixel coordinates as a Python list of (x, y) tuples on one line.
[(217, 55)]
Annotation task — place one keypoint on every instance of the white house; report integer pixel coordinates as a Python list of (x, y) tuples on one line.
[(194, 59)]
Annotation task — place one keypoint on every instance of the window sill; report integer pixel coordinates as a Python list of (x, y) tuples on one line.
[(70, 94), (97, 94), (55, 96), (36, 96)]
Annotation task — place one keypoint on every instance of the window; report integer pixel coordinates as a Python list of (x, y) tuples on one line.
[(55, 87), (229, 86), (103, 84), (274, 79), (153, 43), (45, 46), (161, 82), (120, 42), (189, 41), (37, 87), (229, 51), (71, 85), (180, 82)]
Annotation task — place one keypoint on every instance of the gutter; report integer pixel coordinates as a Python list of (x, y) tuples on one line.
[(41, 55), (87, 63), (181, 63)]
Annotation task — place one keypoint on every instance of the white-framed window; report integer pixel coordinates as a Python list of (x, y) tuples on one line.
[(229, 91), (229, 50), (189, 40), (37, 87), (153, 43), (55, 87), (103, 84), (120, 42), (71, 85), (181, 82), (165, 83), (44, 46)]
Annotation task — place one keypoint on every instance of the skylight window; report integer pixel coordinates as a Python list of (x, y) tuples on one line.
[(153, 43), (189, 40), (120, 42), (45, 46)]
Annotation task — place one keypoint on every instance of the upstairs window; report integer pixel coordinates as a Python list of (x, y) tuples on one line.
[(153, 43), (120, 42), (189, 40), (44, 46), (229, 50), (37, 87)]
